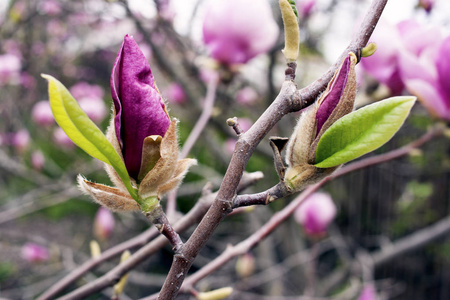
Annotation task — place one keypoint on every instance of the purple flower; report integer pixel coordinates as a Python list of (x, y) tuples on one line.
[(10, 66), (407, 37), (139, 109), (427, 77), (235, 31), (427, 5), (21, 140), (305, 7), (61, 139), (103, 223), (175, 93), (316, 213), (42, 114), (34, 253), (37, 160)]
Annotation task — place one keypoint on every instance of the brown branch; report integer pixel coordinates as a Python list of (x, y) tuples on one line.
[(110, 278), (288, 100), (400, 247)]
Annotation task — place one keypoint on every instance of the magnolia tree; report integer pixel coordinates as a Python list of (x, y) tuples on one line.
[(142, 158)]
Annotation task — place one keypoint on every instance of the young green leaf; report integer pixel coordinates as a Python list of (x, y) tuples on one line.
[(82, 131), (362, 131)]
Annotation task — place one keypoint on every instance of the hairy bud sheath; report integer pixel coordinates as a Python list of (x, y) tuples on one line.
[(337, 101)]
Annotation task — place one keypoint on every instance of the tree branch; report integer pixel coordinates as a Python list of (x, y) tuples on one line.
[(288, 100)]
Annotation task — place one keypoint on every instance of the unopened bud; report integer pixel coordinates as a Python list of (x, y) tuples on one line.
[(119, 287), (291, 30), (95, 249), (337, 101), (368, 50), (245, 265), (215, 294)]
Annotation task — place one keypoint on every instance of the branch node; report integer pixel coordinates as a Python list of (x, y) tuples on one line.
[(234, 123)]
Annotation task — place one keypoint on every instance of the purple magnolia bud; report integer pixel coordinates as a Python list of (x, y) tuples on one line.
[(305, 7), (235, 31), (34, 253), (316, 213), (42, 114), (103, 223), (139, 109)]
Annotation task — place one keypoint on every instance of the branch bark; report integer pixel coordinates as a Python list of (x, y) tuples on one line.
[(288, 100)]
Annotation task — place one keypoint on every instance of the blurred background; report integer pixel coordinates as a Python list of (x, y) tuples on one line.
[(46, 224)]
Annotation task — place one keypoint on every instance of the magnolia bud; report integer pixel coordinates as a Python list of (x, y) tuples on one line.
[(103, 224), (337, 101), (316, 213), (245, 265)]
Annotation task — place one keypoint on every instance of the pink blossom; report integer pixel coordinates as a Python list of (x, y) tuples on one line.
[(427, 77), (21, 140), (95, 108), (235, 31), (61, 139), (51, 7), (368, 293), (407, 38), (10, 66), (246, 96), (316, 213), (305, 7), (175, 93), (83, 89), (34, 253), (41, 113), (103, 223), (37, 160)]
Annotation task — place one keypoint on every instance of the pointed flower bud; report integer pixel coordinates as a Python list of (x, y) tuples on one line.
[(139, 109), (316, 213), (143, 135), (337, 101)]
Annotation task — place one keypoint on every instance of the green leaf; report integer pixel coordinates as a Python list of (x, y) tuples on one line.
[(362, 131), (82, 131)]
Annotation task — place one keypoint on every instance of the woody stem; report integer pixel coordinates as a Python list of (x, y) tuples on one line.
[(159, 219)]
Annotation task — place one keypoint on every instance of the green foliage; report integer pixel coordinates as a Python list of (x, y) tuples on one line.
[(6, 270), (82, 131), (362, 131)]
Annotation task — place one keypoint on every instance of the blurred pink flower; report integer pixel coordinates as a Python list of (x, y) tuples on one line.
[(83, 89), (229, 145), (21, 140), (316, 213), (34, 253), (41, 113), (235, 31), (61, 139), (406, 38), (305, 7), (95, 108), (246, 96), (427, 77), (174, 93), (10, 66), (90, 98), (50, 7), (368, 293), (37, 160), (103, 223)]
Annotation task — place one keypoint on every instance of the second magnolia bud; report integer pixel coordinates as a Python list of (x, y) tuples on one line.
[(337, 101)]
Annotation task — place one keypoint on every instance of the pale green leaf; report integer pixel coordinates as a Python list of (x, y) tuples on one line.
[(362, 131), (82, 131)]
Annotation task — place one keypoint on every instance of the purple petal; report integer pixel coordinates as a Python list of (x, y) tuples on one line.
[(443, 69), (430, 97), (235, 31), (140, 110), (332, 99)]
